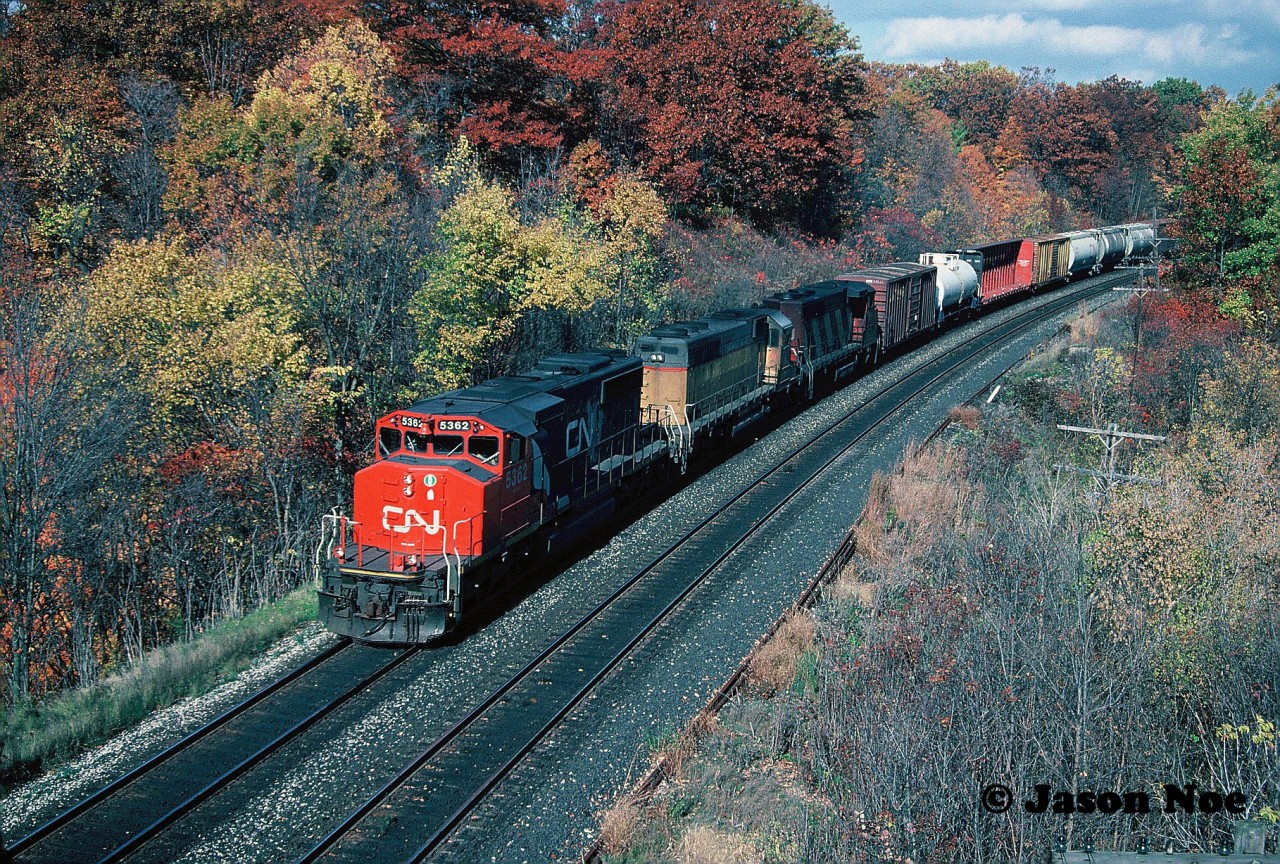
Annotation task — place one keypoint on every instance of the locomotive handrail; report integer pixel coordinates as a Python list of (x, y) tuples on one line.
[(327, 520)]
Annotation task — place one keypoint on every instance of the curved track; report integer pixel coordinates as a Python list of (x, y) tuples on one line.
[(120, 817), (415, 813)]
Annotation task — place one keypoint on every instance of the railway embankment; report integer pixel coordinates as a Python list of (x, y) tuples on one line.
[(60, 752), (1021, 612)]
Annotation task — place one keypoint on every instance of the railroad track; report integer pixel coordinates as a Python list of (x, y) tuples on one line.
[(412, 816), (121, 817)]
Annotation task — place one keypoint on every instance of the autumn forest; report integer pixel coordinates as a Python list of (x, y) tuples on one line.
[(233, 234)]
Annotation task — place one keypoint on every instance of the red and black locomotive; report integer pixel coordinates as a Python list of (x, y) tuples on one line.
[(465, 486)]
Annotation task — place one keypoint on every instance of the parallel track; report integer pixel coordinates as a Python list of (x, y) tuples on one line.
[(417, 811), (122, 816)]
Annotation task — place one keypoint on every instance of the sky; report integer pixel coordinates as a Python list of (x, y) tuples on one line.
[(1231, 43)]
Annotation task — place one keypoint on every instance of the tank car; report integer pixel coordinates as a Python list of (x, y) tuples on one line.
[(1094, 250), (1140, 239), (1084, 252), (957, 283), (467, 485)]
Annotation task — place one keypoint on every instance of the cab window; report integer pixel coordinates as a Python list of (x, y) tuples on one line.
[(388, 441), (515, 449), (484, 448), (449, 445), (415, 442)]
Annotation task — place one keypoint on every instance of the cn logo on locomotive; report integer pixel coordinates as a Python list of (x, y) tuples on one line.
[(411, 520)]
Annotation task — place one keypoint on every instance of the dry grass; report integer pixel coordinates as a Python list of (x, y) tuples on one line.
[(850, 586), (926, 483), (773, 667), (870, 528), (905, 511), (966, 416), (705, 845), (927, 496), (619, 827), (1085, 326)]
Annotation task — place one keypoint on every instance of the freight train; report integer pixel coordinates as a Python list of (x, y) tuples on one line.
[(469, 488)]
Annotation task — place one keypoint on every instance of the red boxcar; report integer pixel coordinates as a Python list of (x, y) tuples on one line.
[(1044, 260)]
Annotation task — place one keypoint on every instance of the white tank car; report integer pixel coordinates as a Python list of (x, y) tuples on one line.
[(1085, 252), (1140, 239), (957, 282), (1114, 246)]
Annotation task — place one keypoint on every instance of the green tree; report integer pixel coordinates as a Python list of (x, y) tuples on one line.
[(1229, 192)]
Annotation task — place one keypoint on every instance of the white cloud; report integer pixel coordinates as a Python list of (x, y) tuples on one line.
[(1190, 43), (1063, 5), (1144, 76)]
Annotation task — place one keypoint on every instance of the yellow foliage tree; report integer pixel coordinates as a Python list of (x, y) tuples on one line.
[(492, 270), (197, 337)]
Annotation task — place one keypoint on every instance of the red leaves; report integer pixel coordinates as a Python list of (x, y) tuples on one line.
[(1182, 335), (1221, 190), (221, 468), (731, 102), (492, 70)]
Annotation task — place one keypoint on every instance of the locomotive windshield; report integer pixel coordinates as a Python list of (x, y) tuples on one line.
[(388, 441), (484, 448), (449, 445), (416, 442)]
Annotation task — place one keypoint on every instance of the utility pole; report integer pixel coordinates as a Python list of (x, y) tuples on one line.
[(1112, 438), (1141, 289)]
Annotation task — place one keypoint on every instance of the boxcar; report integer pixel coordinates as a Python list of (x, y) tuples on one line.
[(1043, 260), (905, 296)]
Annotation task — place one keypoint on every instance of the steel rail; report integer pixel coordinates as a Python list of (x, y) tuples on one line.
[(247, 764), (828, 571), (114, 787)]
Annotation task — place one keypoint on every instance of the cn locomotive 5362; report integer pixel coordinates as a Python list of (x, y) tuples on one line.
[(467, 488)]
